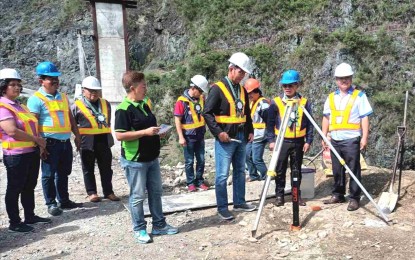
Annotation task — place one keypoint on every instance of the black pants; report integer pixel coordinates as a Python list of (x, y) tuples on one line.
[(22, 173), (349, 151), (102, 154), (294, 151)]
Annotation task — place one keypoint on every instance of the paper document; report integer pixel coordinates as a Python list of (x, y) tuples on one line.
[(164, 128)]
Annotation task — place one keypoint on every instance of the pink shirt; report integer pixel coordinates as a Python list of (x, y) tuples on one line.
[(5, 114)]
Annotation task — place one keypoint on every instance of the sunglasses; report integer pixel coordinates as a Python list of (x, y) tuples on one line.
[(289, 85)]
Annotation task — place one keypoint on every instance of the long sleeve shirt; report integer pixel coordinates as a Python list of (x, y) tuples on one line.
[(217, 104), (274, 121)]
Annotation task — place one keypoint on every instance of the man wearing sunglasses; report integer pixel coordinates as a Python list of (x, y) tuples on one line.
[(56, 123), (190, 126), (297, 137), (346, 116)]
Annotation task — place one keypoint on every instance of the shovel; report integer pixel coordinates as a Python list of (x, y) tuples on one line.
[(388, 200)]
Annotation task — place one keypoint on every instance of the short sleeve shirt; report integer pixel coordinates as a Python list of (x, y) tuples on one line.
[(360, 109), (134, 116), (37, 106)]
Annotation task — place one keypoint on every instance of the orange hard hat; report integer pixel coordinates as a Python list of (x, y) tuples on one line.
[(251, 84)]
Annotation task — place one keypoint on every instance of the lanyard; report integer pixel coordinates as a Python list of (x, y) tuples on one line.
[(235, 95), (92, 107)]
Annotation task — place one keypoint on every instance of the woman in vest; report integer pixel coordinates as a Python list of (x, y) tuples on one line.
[(20, 141)]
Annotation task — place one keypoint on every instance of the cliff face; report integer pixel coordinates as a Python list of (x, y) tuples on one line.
[(171, 40)]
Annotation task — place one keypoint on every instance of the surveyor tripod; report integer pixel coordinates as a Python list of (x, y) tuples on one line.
[(289, 108)]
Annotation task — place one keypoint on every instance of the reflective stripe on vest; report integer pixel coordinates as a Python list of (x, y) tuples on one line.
[(298, 131), (232, 118), (195, 118), (343, 114), (26, 117), (55, 106), (253, 110), (93, 128)]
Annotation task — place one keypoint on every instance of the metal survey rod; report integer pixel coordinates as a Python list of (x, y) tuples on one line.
[(273, 163), (342, 162)]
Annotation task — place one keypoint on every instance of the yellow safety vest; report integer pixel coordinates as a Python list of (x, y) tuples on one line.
[(253, 109), (55, 106), (289, 133), (344, 114), (26, 117), (93, 129), (196, 122), (232, 118)]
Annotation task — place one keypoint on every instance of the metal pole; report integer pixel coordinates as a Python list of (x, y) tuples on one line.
[(343, 163), (273, 163), (80, 55)]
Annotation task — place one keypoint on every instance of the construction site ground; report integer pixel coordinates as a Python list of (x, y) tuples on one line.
[(104, 231)]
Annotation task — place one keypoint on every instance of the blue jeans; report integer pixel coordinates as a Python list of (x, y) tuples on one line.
[(22, 173), (192, 150), (55, 171), (142, 176), (225, 154), (255, 161)]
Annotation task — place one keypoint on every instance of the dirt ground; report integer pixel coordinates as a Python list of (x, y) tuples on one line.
[(103, 230)]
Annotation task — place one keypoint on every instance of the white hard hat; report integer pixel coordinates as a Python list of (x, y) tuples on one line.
[(343, 70), (91, 83), (201, 82), (241, 60), (9, 74)]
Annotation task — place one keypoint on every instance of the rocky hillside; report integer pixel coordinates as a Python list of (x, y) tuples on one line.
[(173, 39)]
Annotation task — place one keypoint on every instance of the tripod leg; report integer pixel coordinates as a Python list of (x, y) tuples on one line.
[(344, 163)]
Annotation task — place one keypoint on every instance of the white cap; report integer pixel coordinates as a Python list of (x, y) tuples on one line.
[(241, 60), (201, 82), (343, 70), (91, 83), (9, 74)]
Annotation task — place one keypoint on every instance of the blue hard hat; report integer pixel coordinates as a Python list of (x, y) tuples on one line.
[(47, 68), (290, 76)]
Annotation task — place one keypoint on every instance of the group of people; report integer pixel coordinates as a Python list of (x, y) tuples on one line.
[(242, 121), (42, 130)]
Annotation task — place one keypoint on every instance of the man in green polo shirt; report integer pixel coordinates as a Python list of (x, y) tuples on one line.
[(136, 128)]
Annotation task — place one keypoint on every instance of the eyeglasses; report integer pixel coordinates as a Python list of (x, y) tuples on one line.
[(289, 85), (344, 78), (52, 79), (199, 89), (92, 90), (18, 85)]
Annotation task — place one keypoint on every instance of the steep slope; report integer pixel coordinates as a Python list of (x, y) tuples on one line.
[(173, 39)]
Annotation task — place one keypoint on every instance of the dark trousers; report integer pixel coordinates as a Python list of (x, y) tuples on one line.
[(102, 154), (191, 151), (22, 173), (294, 151), (55, 171), (349, 151)]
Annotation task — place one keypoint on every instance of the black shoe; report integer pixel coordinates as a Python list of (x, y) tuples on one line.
[(37, 219), (334, 200), (244, 207), (226, 215), (353, 205), (20, 228), (279, 201), (54, 210), (70, 205)]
